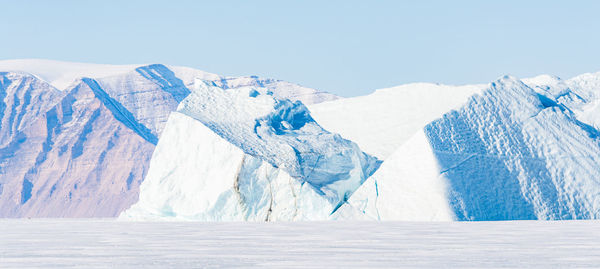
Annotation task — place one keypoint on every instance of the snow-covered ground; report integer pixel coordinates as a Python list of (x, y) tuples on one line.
[(86, 243)]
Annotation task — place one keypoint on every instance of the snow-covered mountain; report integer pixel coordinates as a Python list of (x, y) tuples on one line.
[(23, 98), (76, 159), (62, 74)]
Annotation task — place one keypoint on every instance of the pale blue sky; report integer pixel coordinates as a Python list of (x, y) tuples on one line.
[(345, 47)]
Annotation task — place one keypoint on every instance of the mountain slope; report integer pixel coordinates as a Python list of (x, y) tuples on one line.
[(149, 93), (23, 98), (76, 160)]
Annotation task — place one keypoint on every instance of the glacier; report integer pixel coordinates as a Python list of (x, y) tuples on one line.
[(243, 154)]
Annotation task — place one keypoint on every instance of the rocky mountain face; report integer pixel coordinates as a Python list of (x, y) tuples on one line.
[(78, 159), (23, 98)]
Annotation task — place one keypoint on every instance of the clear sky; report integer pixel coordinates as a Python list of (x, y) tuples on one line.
[(346, 47)]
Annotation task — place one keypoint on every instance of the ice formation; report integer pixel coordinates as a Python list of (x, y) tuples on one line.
[(242, 154), (512, 152), (77, 140)]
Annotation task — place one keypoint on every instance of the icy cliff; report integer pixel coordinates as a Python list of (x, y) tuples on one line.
[(512, 152), (242, 154)]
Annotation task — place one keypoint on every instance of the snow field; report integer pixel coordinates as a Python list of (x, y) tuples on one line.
[(76, 243)]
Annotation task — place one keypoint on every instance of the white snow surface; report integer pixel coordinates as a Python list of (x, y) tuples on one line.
[(580, 94), (242, 154), (62, 75), (281, 89), (98, 243), (407, 186), (382, 121)]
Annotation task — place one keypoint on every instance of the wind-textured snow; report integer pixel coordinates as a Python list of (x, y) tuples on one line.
[(511, 152), (43, 243), (242, 154)]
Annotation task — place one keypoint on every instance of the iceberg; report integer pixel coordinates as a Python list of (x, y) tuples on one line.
[(242, 154), (511, 152)]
